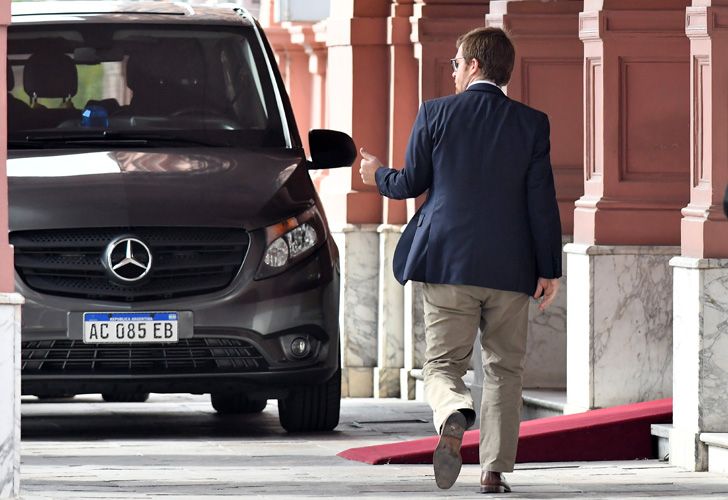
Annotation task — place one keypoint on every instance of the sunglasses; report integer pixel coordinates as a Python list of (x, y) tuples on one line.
[(454, 62)]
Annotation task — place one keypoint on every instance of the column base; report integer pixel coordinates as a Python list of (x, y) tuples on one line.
[(357, 382), (687, 451), (407, 385), (619, 327), (387, 382), (10, 395)]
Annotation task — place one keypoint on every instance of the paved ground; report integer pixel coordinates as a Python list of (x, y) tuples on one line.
[(176, 447)]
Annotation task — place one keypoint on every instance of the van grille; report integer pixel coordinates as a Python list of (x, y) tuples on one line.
[(195, 355), (185, 261)]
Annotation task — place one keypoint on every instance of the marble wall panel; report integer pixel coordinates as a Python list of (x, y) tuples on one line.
[(545, 364), (622, 333)]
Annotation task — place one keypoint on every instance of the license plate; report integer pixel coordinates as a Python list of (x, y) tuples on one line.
[(137, 327)]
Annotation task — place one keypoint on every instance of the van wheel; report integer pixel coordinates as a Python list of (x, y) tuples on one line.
[(55, 395), (125, 397), (226, 403), (312, 408)]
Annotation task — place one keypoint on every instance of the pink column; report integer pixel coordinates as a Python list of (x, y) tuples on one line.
[(403, 95), (436, 27), (358, 87), (548, 75), (627, 224), (278, 37), (637, 150), (7, 283), (299, 79), (317, 64), (704, 227), (700, 292)]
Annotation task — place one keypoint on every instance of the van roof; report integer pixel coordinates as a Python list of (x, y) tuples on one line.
[(126, 11)]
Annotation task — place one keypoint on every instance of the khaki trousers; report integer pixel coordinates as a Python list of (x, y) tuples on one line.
[(453, 314)]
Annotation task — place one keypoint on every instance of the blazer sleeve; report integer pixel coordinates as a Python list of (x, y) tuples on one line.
[(543, 210), (416, 176)]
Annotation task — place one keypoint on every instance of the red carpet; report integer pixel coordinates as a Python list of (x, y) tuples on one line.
[(617, 433)]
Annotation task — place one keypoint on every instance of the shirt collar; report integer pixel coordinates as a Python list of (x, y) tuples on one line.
[(480, 81)]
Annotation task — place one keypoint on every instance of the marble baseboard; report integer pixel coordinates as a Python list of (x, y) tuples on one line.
[(700, 400), (357, 382), (10, 395), (619, 326), (387, 382)]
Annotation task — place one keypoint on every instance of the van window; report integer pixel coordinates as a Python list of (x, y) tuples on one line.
[(188, 82)]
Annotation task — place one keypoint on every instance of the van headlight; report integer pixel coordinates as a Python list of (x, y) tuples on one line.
[(290, 241)]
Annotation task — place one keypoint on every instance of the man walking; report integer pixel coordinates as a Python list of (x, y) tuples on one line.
[(486, 239)]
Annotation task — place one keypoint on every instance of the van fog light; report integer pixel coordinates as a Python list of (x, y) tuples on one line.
[(300, 347)]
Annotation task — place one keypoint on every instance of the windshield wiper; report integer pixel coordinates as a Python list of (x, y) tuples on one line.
[(105, 137)]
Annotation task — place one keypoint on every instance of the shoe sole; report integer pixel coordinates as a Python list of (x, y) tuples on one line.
[(494, 489), (446, 460)]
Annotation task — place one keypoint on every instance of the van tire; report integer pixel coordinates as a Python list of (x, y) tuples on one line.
[(125, 397), (232, 403), (312, 408)]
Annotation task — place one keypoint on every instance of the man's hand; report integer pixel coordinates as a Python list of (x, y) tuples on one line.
[(369, 164), (548, 288)]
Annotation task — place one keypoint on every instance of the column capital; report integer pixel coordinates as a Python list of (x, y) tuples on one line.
[(706, 21), (632, 19), (525, 18), (358, 22)]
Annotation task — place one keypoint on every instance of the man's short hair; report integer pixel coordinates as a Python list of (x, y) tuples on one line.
[(493, 50)]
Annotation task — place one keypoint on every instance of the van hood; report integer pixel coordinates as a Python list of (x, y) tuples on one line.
[(59, 189)]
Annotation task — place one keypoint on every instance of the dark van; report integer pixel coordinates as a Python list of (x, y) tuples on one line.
[(167, 234)]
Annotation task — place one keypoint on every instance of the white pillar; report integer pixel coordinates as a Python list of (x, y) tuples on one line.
[(390, 318), (359, 254), (700, 399), (414, 339)]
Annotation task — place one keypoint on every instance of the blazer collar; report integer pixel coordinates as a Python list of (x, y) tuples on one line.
[(485, 87)]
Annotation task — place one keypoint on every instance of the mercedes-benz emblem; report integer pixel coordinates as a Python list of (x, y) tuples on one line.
[(128, 259)]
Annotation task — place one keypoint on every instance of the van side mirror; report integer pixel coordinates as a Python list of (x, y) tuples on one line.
[(330, 149)]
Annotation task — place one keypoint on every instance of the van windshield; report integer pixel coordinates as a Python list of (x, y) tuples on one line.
[(141, 84)]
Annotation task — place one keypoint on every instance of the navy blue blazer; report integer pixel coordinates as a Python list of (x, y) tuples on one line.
[(491, 217)]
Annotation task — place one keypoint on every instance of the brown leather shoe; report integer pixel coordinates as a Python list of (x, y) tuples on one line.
[(446, 460), (493, 482)]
